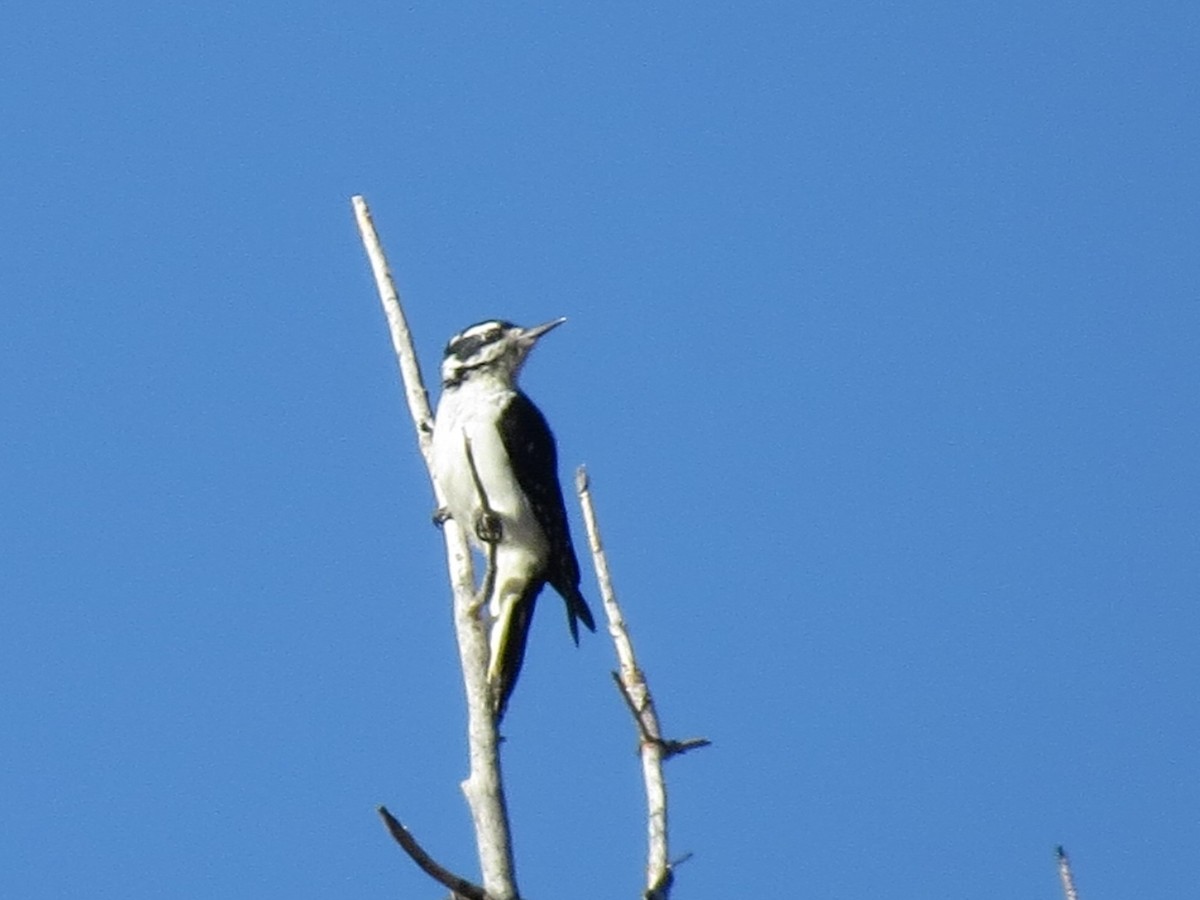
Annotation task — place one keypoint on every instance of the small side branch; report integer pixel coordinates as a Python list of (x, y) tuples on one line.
[(1064, 874), (459, 887), (636, 693), (488, 528), (484, 787), (670, 747)]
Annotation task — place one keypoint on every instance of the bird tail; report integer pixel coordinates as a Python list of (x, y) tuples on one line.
[(506, 643), (577, 611), (510, 633)]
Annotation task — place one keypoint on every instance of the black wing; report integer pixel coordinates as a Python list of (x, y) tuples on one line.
[(534, 456)]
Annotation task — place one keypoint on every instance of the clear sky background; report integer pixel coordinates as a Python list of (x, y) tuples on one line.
[(882, 352)]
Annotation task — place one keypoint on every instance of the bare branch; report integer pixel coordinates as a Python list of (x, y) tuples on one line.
[(633, 708), (491, 535), (670, 747), (678, 748), (460, 887), (483, 788), (1064, 874), (406, 356), (635, 691)]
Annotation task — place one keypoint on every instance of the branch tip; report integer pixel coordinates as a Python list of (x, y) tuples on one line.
[(460, 887), (1065, 875)]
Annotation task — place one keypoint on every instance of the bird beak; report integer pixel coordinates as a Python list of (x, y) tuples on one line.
[(532, 334)]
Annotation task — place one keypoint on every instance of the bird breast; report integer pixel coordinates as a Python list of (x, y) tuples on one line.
[(468, 413)]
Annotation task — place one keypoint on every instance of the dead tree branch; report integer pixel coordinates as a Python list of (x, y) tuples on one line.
[(459, 887), (636, 693), (1064, 874), (489, 533), (483, 787), (670, 747)]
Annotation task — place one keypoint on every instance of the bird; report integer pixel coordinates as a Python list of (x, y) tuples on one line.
[(489, 435)]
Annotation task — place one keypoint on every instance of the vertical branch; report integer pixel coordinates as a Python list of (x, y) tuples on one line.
[(1064, 874), (483, 787), (641, 704)]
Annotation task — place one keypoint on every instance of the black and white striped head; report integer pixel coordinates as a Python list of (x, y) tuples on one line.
[(494, 347)]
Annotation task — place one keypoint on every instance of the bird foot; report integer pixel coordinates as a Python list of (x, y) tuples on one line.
[(487, 527), (441, 516)]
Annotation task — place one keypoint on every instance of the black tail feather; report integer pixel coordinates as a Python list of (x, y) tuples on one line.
[(577, 611)]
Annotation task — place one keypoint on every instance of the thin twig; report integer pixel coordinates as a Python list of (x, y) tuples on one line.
[(633, 709), (636, 693), (678, 748), (670, 747), (484, 788), (1064, 874), (490, 543), (485, 507), (460, 887)]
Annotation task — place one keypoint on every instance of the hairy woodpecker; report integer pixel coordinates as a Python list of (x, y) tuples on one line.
[(516, 461)]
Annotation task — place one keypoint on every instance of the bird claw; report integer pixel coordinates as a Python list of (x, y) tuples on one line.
[(487, 527), (441, 516)]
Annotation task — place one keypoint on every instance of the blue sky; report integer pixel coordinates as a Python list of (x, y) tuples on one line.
[(882, 353)]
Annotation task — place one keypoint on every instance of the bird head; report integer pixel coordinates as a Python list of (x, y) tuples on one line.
[(494, 347)]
